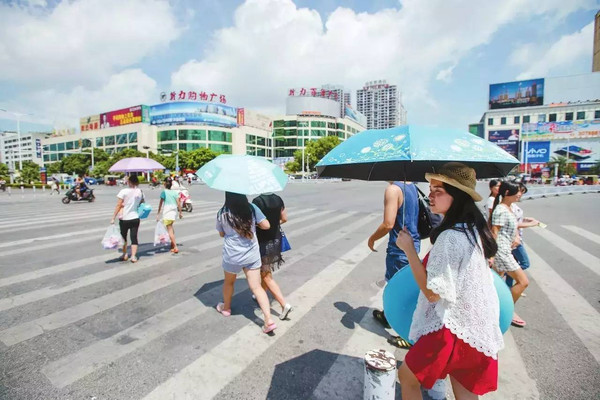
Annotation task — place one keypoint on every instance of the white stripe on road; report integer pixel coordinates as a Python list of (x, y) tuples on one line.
[(199, 380), (71, 368), (586, 259), (47, 292), (36, 327), (582, 318), (31, 329), (584, 233)]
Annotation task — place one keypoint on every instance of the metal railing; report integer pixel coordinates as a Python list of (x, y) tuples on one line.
[(547, 190)]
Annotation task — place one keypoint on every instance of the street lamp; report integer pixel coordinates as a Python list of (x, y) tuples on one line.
[(147, 148), (18, 115)]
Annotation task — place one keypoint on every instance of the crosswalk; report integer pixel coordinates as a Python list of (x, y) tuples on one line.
[(75, 323)]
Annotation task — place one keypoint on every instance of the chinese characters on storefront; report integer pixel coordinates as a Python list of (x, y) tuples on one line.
[(193, 96), (314, 92)]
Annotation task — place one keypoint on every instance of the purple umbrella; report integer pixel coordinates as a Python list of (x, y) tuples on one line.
[(136, 164)]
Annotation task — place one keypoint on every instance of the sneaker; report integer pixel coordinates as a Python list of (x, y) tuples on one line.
[(286, 310), (380, 317)]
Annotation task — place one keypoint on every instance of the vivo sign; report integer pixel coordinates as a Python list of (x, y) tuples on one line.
[(538, 152)]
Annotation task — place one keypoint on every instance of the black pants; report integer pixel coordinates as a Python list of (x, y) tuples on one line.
[(126, 225)]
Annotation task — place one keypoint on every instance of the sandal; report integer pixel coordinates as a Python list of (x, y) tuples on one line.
[(518, 322), (380, 317), (175, 250), (399, 342), (124, 257), (269, 328), (222, 310), (134, 259)]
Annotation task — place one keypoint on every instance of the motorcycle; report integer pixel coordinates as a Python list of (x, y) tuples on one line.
[(186, 200), (71, 195)]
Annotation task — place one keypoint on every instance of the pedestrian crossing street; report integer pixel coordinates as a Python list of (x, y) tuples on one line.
[(77, 324)]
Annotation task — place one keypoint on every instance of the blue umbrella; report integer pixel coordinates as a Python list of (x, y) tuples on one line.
[(243, 174), (408, 152)]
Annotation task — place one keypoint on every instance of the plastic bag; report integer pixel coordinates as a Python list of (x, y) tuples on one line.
[(112, 238), (161, 236)]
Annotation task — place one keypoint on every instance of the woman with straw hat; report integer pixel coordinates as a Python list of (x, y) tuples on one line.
[(456, 323)]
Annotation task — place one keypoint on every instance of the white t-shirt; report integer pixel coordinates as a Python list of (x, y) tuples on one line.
[(131, 201), (489, 204)]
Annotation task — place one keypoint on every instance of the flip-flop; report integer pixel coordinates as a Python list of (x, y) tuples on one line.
[(134, 259), (222, 310), (124, 257), (399, 342), (270, 328), (518, 322)]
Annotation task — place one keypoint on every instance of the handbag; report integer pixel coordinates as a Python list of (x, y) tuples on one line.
[(144, 209), (285, 245), (427, 220)]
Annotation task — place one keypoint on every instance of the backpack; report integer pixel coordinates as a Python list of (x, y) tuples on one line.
[(427, 220)]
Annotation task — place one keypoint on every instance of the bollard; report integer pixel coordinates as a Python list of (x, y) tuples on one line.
[(34, 189), (380, 375), (22, 190), (9, 191), (44, 189)]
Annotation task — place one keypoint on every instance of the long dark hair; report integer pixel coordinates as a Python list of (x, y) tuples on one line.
[(238, 213), (168, 182), (463, 210), (493, 184), (506, 189)]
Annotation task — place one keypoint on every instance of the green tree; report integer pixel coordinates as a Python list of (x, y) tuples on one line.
[(29, 173), (595, 170), (101, 168), (195, 159), (76, 164), (564, 168), (53, 168), (127, 153), (3, 171), (314, 151)]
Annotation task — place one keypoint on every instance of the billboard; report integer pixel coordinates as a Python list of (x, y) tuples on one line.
[(193, 113), (355, 115), (507, 139), (536, 152), (578, 150), (561, 130), (254, 119), (517, 94), (125, 116), (89, 123)]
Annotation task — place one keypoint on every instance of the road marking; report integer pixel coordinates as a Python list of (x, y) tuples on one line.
[(73, 367), (582, 232), (586, 259), (579, 314), (199, 380), (61, 318), (51, 291)]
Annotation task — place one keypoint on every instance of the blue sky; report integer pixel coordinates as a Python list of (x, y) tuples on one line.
[(61, 60)]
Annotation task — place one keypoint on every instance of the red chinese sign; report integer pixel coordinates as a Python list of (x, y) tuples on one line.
[(126, 116), (314, 92), (89, 123), (193, 96)]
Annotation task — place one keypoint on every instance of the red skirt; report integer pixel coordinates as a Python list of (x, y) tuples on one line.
[(441, 353)]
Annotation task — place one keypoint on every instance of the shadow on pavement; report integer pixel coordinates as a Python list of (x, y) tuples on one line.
[(144, 250)]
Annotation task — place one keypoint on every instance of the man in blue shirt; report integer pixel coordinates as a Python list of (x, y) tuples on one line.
[(400, 209)]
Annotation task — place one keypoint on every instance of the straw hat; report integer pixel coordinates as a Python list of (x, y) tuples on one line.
[(458, 175)]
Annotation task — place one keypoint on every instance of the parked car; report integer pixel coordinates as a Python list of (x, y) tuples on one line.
[(100, 181), (90, 181)]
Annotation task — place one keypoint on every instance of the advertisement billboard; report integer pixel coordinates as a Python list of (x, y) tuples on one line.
[(517, 94), (577, 151), (193, 113), (355, 115), (507, 139), (125, 116), (565, 130), (89, 123), (38, 148), (253, 119), (536, 152)]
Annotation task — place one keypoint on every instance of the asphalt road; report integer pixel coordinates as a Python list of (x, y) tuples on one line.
[(77, 324)]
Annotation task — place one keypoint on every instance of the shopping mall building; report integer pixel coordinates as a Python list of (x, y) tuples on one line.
[(185, 125), (537, 120)]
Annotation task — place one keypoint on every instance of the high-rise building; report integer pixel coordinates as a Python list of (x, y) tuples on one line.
[(340, 95), (381, 103), (596, 58)]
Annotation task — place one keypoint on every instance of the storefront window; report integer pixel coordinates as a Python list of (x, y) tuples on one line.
[(317, 132), (331, 125), (166, 136), (167, 147), (99, 142), (290, 132), (317, 124), (53, 147), (303, 124), (46, 157), (109, 140), (192, 134), (278, 124), (278, 132), (132, 137), (85, 143), (190, 146), (60, 146), (219, 136), (122, 139), (290, 123), (53, 157), (220, 148), (110, 150), (70, 145)]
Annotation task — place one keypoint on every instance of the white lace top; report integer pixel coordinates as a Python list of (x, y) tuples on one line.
[(459, 273)]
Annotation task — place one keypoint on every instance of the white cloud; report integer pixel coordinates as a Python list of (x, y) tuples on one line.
[(64, 108), (570, 54), (80, 42), (445, 75), (273, 46)]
